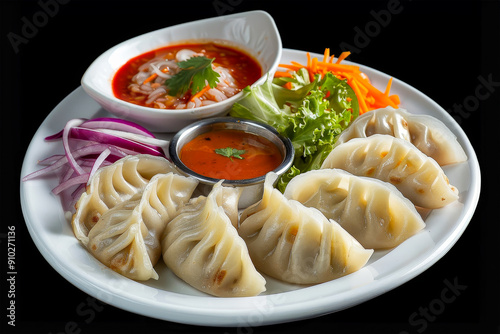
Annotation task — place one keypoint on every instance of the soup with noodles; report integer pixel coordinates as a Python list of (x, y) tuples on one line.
[(144, 80)]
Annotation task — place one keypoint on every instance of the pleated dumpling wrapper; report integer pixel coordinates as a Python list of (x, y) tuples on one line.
[(127, 237), (297, 244), (202, 247), (399, 162), (372, 211), (431, 136), (112, 185)]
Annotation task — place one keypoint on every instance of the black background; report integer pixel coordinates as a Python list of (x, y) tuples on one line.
[(441, 48)]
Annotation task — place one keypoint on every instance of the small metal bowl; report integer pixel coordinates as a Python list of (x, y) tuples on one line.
[(252, 188)]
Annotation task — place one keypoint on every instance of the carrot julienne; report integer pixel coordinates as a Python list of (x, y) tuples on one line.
[(288, 85), (326, 55), (343, 56), (283, 74), (200, 93), (154, 75), (369, 97)]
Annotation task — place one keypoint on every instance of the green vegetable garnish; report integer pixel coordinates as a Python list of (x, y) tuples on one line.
[(230, 152), (312, 115), (195, 74)]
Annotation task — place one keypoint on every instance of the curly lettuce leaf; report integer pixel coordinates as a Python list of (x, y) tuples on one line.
[(259, 104), (341, 96), (315, 130)]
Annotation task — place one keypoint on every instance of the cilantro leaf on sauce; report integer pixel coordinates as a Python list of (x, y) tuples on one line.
[(195, 74), (230, 152)]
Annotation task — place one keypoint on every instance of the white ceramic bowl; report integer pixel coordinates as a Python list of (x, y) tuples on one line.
[(253, 32)]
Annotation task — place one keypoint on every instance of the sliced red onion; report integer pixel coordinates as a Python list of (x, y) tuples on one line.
[(83, 178), (55, 136), (51, 160), (152, 141), (89, 145), (104, 138), (158, 72), (116, 124), (156, 94), (68, 173), (67, 149), (99, 161), (184, 54), (93, 149), (110, 123)]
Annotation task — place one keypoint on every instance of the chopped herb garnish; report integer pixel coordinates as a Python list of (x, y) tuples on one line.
[(230, 152), (195, 74)]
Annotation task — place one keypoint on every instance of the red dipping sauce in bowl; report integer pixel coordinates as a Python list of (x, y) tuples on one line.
[(261, 149), (231, 155)]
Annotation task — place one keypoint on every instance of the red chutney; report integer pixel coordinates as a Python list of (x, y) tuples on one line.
[(261, 155), (242, 67)]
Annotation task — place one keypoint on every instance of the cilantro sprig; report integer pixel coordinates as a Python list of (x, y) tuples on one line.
[(230, 152), (195, 74)]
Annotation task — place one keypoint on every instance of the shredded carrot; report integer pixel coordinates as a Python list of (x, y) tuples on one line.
[(388, 87), (280, 74), (314, 65), (364, 76), (339, 67), (343, 56), (326, 55), (291, 67), (200, 93), (154, 75), (369, 97), (332, 57), (395, 99), (150, 78), (362, 104)]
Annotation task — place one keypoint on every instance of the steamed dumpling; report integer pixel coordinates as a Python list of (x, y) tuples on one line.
[(372, 211), (296, 244), (228, 198), (127, 237), (202, 247), (427, 133), (112, 185), (394, 160)]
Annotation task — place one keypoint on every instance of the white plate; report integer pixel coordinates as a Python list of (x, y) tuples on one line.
[(171, 299)]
